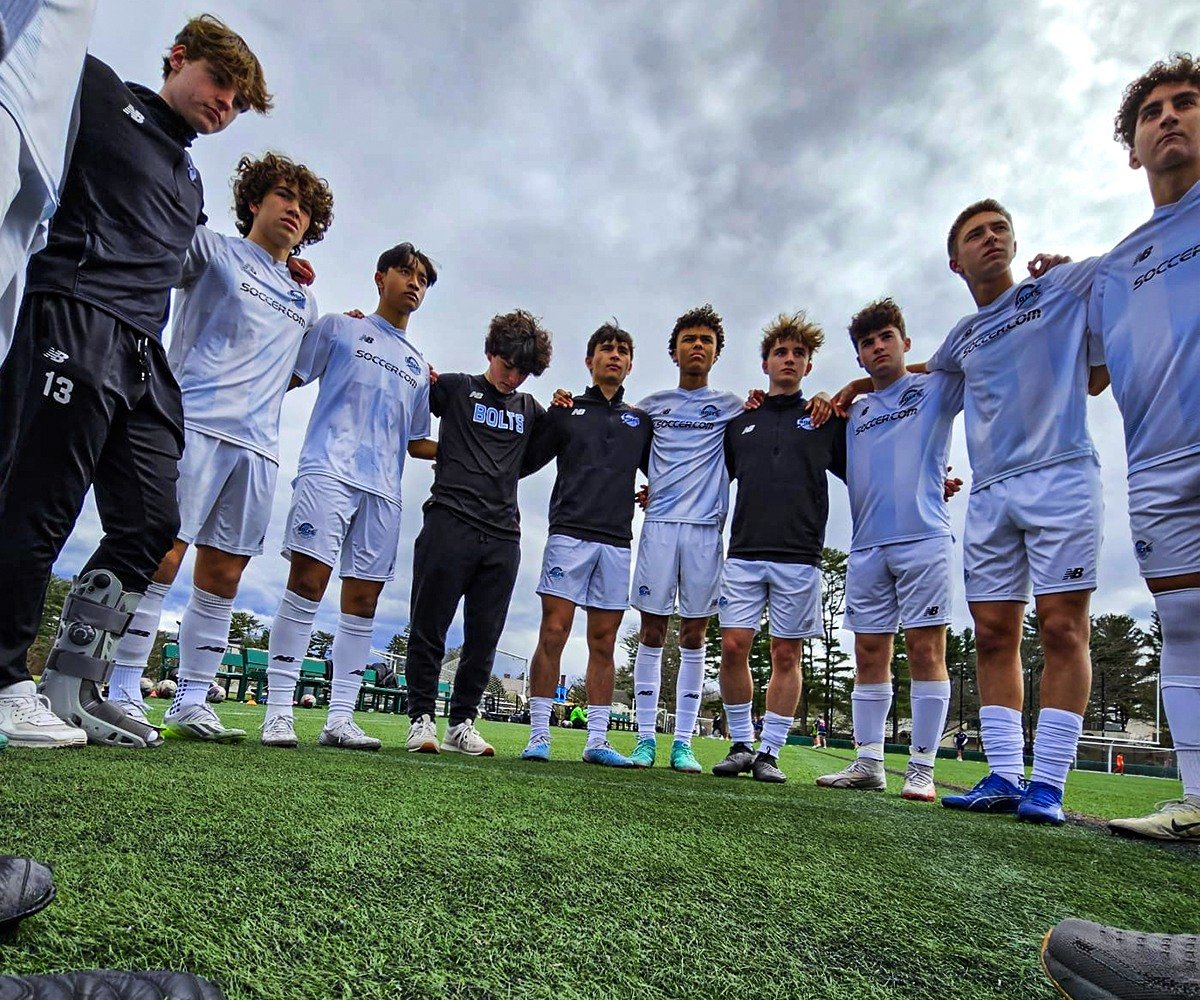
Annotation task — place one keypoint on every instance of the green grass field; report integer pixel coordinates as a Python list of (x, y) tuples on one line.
[(325, 873)]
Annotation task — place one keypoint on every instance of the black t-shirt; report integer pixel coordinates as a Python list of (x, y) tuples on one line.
[(131, 202), (600, 444), (780, 463), (481, 446)]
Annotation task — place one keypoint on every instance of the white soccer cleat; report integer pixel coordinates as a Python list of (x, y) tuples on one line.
[(199, 722), (918, 783), (1175, 820), (26, 719), (278, 731), (862, 773), (465, 738), (345, 733), (422, 736)]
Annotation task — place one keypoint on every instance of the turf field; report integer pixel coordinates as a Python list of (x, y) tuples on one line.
[(326, 873)]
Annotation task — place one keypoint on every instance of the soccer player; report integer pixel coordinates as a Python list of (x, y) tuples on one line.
[(780, 461), (897, 442), (86, 394), (600, 443), (1035, 510), (1146, 311), (237, 331), (469, 548), (680, 550), (372, 407)]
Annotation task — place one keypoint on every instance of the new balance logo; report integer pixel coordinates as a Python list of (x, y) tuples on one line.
[(366, 338), (578, 412), (1074, 573), (284, 659), (137, 631), (476, 395), (55, 355), (133, 113), (358, 673), (1144, 254), (932, 610), (645, 694), (747, 430), (692, 697)]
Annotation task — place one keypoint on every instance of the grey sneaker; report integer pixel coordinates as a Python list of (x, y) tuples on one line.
[(1090, 961), (862, 773), (199, 722), (739, 760), (766, 768), (346, 734), (465, 738), (279, 731), (918, 783), (422, 736)]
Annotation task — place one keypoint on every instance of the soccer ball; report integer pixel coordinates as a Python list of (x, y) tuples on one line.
[(147, 686), (216, 693), (308, 701), (166, 689)]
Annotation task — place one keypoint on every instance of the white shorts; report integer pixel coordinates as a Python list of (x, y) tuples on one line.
[(678, 559), (790, 593), (327, 516), (588, 574), (1045, 524), (1164, 517), (225, 493), (904, 583)]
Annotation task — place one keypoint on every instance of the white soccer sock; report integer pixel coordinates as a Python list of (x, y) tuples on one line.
[(1179, 615), (133, 651), (1054, 746), (647, 679), (203, 638), (688, 689), (741, 728), (597, 731), (539, 717), (290, 634), (930, 702), (869, 706), (351, 647), (1003, 744), (774, 733)]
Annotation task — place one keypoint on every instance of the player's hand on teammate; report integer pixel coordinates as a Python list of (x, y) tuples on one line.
[(642, 496), (841, 400), (562, 398), (754, 399), (951, 486), (1044, 261), (302, 272), (820, 409), (355, 314)]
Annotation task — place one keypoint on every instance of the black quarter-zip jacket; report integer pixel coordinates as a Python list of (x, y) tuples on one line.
[(600, 444), (130, 205), (780, 463)]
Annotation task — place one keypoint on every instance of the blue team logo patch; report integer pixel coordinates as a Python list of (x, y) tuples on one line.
[(555, 573), (414, 365), (1142, 548), (305, 530), (297, 297), (629, 420), (643, 591), (805, 424), (1027, 295), (709, 412), (911, 396), (193, 173), (722, 602)]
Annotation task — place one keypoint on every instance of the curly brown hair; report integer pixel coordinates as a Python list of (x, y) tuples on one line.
[(1180, 68), (704, 315), (983, 205), (254, 179), (875, 316), (208, 37), (521, 340), (796, 327)]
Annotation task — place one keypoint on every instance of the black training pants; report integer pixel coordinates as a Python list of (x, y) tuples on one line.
[(454, 561), (85, 401)]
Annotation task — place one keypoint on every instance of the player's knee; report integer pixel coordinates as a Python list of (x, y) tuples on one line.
[(359, 605), (691, 634), (553, 635), (1063, 634), (785, 657), (992, 639), (654, 635)]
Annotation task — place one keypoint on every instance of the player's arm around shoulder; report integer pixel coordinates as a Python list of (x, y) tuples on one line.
[(316, 347)]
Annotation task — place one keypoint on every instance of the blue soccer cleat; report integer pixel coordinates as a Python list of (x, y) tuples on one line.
[(538, 748), (606, 755), (644, 753), (683, 759), (993, 794), (1041, 803)]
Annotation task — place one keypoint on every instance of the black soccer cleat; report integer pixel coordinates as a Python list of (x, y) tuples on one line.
[(1088, 961), (739, 760)]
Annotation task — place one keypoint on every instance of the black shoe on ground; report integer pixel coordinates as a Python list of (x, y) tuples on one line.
[(26, 888), (1088, 961), (739, 760), (766, 768)]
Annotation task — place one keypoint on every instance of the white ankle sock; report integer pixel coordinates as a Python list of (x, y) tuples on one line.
[(597, 731), (539, 716), (741, 729), (351, 648), (203, 637), (133, 651), (1003, 744), (688, 690), (930, 702), (869, 706), (1179, 613), (647, 679), (1054, 746), (774, 733), (290, 635)]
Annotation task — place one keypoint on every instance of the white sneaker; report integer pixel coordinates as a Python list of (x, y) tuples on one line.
[(1175, 820), (199, 722), (136, 710), (422, 736), (861, 773), (918, 783), (346, 734), (26, 719), (278, 731), (465, 738)]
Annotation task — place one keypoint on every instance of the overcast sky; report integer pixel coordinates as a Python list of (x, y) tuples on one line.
[(588, 160)]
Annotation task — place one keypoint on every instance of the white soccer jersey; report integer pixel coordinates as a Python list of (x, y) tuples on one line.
[(237, 330), (689, 483), (374, 399), (897, 444), (1145, 307), (1025, 358)]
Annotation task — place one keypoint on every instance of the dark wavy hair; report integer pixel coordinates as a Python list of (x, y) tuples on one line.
[(254, 179), (875, 316), (1180, 68), (704, 315), (610, 332), (519, 339)]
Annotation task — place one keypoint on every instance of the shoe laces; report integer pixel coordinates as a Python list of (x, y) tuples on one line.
[(348, 727), (1175, 805), (542, 738), (864, 765), (277, 726), (35, 709), (918, 774)]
